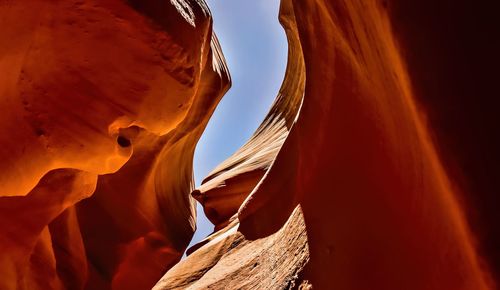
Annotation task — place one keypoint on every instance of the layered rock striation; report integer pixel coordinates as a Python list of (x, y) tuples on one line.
[(345, 185), (356, 155)]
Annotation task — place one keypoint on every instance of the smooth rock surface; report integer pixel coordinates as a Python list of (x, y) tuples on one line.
[(376, 167), (380, 209), (103, 101)]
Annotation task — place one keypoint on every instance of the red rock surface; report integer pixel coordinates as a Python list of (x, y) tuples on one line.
[(104, 99), (376, 167), (380, 209)]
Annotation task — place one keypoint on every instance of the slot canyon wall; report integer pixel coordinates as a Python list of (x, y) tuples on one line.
[(375, 168)]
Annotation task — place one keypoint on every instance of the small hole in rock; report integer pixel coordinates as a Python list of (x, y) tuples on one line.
[(123, 142), (39, 132)]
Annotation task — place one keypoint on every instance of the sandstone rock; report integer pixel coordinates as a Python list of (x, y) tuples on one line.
[(345, 185), (229, 261), (106, 96), (380, 210), (229, 184)]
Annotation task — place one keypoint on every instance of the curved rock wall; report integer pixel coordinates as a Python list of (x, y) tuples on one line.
[(374, 168), (103, 101), (379, 207)]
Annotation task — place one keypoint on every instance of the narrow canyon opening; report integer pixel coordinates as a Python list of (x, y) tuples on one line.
[(255, 47), (357, 152)]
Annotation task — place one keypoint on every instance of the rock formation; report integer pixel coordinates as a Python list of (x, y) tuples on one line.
[(345, 185), (356, 156), (103, 101)]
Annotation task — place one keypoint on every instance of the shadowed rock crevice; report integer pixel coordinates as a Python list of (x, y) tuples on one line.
[(380, 210)]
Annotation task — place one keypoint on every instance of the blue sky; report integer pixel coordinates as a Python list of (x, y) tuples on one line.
[(255, 48)]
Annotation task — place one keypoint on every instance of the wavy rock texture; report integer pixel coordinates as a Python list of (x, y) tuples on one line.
[(380, 210), (229, 261), (223, 191), (105, 99), (343, 186)]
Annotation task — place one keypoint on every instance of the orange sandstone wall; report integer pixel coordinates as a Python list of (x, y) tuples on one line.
[(382, 205), (374, 169), (102, 100)]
